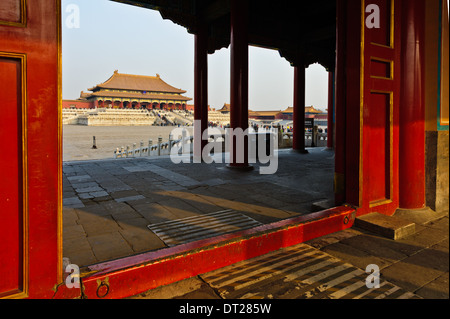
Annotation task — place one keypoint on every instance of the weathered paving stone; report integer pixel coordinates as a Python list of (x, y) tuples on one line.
[(133, 223), (69, 217), (85, 196), (82, 257), (408, 275), (73, 202), (73, 232), (130, 199), (180, 208), (142, 240), (426, 237), (109, 246), (354, 256), (79, 178), (378, 247), (155, 213), (437, 289), (84, 185), (89, 189), (101, 225), (94, 210), (123, 194), (99, 194), (124, 215), (75, 244)]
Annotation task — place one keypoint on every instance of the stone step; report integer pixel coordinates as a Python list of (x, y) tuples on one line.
[(391, 227)]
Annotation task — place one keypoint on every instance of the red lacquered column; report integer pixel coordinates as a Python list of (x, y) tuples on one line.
[(330, 127), (340, 87), (239, 76), (412, 108), (298, 142), (200, 89)]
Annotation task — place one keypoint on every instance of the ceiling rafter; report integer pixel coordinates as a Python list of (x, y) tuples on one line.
[(290, 27)]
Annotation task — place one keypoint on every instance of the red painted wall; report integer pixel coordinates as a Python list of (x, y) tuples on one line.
[(68, 104)]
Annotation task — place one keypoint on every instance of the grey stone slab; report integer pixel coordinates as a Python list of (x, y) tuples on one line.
[(180, 208), (95, 210), (123, 194), (171, 187), (172, 176), (440, 224), (188, 182), (129, 199), (142, 240), (69, 217), (73, 202), (355, 256), (84, 185), (380, 247), (267, 200), (426, 237), (437, 289), (213, 182), (409, 276), (85, 196), (69, 194), (89, 189), (73, 232), (155, 213), (125, 215), (82, 257), (430, 258), (134, 223), (102, 225), (98, 194), (79, 178), (133, 169), (109, 246), (419, 216), (74, 244), (200, 203)]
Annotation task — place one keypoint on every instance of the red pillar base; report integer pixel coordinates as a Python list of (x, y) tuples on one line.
[(241, 167), (300, 151)]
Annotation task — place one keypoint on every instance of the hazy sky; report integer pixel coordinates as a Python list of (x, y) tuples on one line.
[(113, 36)]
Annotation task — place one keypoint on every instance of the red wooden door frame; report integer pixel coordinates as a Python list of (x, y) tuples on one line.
[(367, 137), (380, 118), (30, 38)]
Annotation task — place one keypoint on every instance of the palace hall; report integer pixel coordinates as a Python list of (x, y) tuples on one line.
[(129, 91)]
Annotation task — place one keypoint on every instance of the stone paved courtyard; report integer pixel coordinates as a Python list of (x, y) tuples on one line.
[(109, 204)]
